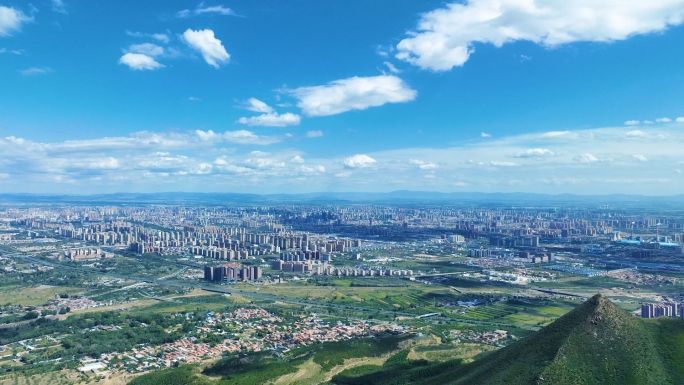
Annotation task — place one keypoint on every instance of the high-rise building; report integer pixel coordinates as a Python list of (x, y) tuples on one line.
[(647, 310)]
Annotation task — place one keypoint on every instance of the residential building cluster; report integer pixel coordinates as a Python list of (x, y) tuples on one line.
[(668, 309), (232, 272), (86, 253), (245, 330)]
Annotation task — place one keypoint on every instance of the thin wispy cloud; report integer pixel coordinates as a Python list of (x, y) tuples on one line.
[(36, 71), (206, 10)]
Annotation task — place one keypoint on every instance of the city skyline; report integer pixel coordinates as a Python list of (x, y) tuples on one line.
[(478, 96)]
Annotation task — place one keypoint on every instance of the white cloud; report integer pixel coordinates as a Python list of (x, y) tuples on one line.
[(147, 49), (217, 9), (356, 93), (663, 120), (502, 164), (172, 161), (59, 6), (164, 38), (640, 158), (485, 135), (358, 161), (272, 120), (210, 47), (680, 120), (194, 99), (256, 105), (237, 137), (314, 134), (312, 169), (422, 164), (589, 158), (262, 163), (11, 20), (248, 137), (534, 153), (648, 122), (445, 37), (636, 134), (678, 171), (392, 68), (586, 158), (36, 71), (558, 134), (138, 61), (632, 122), (12, 51)]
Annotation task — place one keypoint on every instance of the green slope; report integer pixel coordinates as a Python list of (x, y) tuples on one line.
[(596, 343)]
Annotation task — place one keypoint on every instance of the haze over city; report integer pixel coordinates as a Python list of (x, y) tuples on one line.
[(294, 97)]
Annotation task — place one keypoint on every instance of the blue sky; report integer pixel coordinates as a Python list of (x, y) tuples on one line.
[(302, 96)]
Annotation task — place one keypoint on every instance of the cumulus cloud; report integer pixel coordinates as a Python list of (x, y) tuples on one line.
[(140, 62), (314, 134), (640, 158), (164, 38), (36, 71), (343, 174), (485, 135), (297, 159), (632, 122), (680, 120), (534, 153), (663, 120), (262, 163), (209, 46), (356, 93), (269, 118), (201, 9), (445, 38), (11, 20), (358, 161)]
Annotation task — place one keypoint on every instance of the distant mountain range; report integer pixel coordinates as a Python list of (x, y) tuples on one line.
[(395, 197)]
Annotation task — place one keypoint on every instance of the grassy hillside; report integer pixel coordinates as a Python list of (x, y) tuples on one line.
[(597, 343)]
